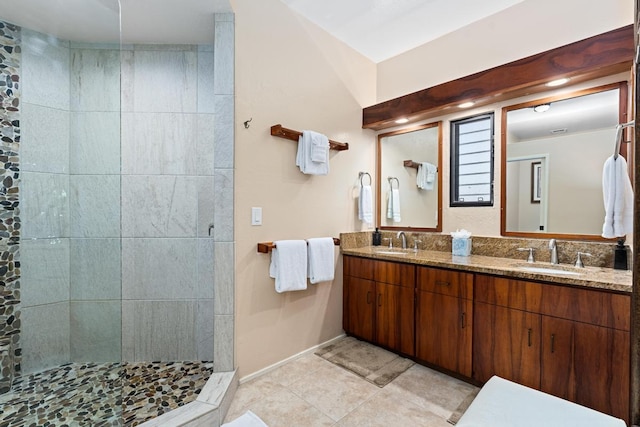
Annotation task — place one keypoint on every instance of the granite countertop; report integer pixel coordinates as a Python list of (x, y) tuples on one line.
[(591, 277)]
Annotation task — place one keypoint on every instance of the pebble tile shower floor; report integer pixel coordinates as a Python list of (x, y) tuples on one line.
[(102, 394)]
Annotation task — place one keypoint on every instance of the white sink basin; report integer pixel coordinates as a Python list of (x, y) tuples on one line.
[(391, 251), (549, 270)]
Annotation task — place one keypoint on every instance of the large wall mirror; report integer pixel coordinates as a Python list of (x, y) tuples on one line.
[(553, 151), (409, 188)]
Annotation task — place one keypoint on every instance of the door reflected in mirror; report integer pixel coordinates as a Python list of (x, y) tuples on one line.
[(553, 153), (409, 187)]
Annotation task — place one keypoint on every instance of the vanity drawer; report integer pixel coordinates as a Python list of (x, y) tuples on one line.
[(395, 273), (587, 305), (358, 267), (591, 306), (445, 282)]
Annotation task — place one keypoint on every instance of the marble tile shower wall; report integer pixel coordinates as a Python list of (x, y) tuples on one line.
[(97, 216), (44, 201), (10, 57), (177, 181)]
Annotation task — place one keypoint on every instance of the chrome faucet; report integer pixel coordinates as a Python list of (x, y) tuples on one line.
[(553, 247), (404, 239), (530, 257)]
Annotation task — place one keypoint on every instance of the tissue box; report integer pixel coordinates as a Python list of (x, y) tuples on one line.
[(461, 246)]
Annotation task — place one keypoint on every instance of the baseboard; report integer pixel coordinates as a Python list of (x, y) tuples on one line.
[(288, 359)]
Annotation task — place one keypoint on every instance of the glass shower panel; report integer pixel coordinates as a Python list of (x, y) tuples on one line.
[(60, 218)]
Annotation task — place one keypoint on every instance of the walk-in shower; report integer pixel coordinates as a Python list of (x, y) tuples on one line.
[(116, 232)]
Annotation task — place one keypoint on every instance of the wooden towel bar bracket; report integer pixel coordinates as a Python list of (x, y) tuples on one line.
[(411, 164), (294, 135), (266, 247)]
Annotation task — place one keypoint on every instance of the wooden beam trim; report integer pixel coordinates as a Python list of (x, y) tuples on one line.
[(611, 50)]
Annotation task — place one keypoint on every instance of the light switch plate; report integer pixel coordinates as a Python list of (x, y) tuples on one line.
[(256, 216)]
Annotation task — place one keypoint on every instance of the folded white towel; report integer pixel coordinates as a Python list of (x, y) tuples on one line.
[(426, 176), (321, 259), (248, 419), (365, 204), (618, 198), (393, 207), (289, 265), (312, 156)]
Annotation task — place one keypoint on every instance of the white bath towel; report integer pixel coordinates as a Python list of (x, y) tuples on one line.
[(312, 156), (321, 259), (289, 265), (248, 419), (618, 198), (365, 204), (426, 176), (393, 207)]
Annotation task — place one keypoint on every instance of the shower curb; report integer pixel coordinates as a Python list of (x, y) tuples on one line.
[(209, 409)]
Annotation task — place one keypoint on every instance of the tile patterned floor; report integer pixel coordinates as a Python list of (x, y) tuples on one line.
[(311, 391), (102, 394)]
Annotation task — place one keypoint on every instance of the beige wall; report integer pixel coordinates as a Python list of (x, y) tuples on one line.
[(290, 73), (525, 29)]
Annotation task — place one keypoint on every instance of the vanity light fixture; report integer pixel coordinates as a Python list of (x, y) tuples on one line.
[(558, 82), (466, 104), (541, 108), (402, 121)]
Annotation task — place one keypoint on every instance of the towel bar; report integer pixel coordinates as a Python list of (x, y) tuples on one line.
[(361, 175), (266, 247), (412, 164), (294, 135)]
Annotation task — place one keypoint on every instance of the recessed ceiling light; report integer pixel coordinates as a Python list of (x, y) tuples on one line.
[(466, 104), (541, 108), (558, 82), (402, 120)]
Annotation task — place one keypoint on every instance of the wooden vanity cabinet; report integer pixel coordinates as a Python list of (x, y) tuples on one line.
[(444, 319), (569, 342), (378, 303)]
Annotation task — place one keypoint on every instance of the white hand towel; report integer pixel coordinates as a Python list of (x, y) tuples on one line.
[(321, 259), (426, 176), (307, 151), (289, 265), (248, 419), (319, 147), (395, 205), (618, 198), (390, 204), (365, 204)]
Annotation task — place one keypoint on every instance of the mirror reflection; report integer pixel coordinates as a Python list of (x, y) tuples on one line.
[(553, 154), (409, 182)]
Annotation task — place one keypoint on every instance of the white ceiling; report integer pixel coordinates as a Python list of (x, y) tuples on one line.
[(379, 29), (580, 114)]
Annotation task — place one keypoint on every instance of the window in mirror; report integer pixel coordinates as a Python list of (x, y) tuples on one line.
[(409, 187), (472, 161), (552, 162)]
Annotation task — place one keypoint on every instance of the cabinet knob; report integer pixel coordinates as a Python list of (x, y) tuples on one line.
[(529, 336), (553, 343)]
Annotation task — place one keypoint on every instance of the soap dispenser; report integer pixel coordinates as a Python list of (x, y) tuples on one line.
[(620, 256), (377, 237)]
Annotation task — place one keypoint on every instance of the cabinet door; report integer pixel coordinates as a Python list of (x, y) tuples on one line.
[(586, 364), (444, 331), (394, 318), (506, 342), (358, 315)]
